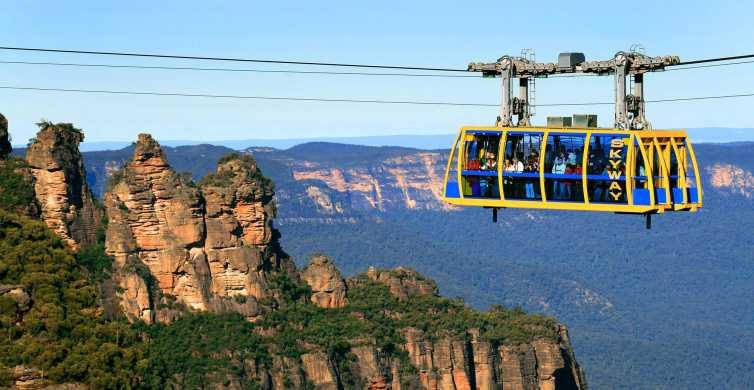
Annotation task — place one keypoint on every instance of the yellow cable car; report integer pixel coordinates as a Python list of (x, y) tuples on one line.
[(627, 169), (591, 169)]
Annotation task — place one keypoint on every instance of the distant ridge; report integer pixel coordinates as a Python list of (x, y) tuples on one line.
[(416, 141)]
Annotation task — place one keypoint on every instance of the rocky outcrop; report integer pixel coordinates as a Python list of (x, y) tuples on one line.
[(202, 245), (29, 378), (18, 295), (67, 205), (403, 282), (328, 286), (5, 146)]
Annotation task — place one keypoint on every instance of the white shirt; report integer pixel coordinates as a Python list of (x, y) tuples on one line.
[(559, 166), (519, 166)]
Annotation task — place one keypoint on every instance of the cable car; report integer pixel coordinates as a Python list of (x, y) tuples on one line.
[(629, 168), (624, 171)]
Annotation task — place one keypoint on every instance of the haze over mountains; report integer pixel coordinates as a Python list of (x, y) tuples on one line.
[(418, 141)]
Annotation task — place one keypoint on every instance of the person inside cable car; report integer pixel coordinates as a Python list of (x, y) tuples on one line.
[(532, 166), (567, 184), (518, 187), (578, 191), (489, 162), (571, 157), (601, 187), (558, 168), (507, 182)]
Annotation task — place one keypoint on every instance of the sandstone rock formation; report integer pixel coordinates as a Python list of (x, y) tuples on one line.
[(5, 146), (403, 282), (732, 179), (328, 287), (212, 247), (67, 206), (18, 295), (202, 245)]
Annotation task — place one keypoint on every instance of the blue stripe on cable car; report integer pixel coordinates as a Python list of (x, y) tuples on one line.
[(451, 190), (661, 196), (604, 177), (469, 172), (641, 196), (677, 195), (567, 134), (693, 195), (521, 174)]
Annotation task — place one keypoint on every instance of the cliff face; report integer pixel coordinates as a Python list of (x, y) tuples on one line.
[(439, 359), (202, 245), (731, 179), (67, 206), (318, 186)]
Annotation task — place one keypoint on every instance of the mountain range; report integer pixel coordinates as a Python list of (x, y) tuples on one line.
[(418, 141)]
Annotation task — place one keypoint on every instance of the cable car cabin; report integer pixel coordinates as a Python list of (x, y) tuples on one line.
[(593, 169)]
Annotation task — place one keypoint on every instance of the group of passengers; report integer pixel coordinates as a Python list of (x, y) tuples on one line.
[(521, 187), (567, 163), (564, 161)]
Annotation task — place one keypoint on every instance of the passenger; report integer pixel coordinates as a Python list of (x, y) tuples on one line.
[(558, 168), (578, 189), (489, 162), (518, 188), (530, 167), (642, 176), (572, 157), (596, 161), (600, 188), (568, 193), (518, 165), (508, 167)]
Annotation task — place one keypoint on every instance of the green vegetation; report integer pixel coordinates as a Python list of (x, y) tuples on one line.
[(16, 191), (44, 123), (62, 333), (199, 349), (226, 177), (116, 178), (374, 313)]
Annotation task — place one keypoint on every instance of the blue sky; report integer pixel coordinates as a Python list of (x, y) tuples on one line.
[(436, 33)]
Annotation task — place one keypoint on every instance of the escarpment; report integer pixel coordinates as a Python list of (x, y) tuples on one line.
[(397, 333), (200, 245), (67, 205)]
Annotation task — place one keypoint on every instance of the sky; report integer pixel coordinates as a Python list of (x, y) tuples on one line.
[(415, 33)]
